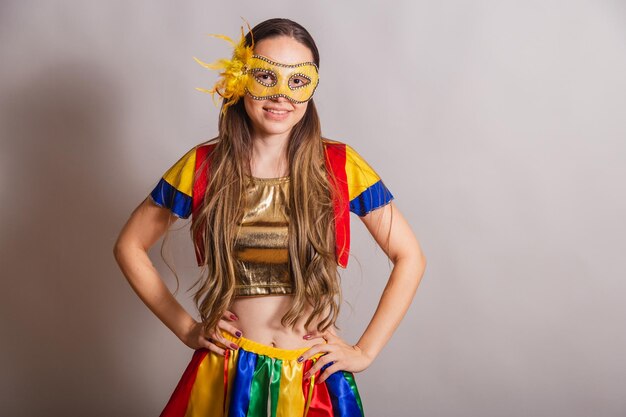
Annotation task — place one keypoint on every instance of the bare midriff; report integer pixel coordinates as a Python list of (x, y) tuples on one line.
[(259, 320)]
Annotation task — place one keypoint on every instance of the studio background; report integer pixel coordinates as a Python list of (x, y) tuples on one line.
[(498, 126)]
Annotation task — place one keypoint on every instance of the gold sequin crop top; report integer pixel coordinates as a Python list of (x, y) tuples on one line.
[(261, 251)]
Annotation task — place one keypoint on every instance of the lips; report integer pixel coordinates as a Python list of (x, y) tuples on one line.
[(276, 110)]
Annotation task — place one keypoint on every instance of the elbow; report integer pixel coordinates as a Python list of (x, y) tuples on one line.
[(416, 260), (419, 254), (413, 256), (422, 264), (119, 249)]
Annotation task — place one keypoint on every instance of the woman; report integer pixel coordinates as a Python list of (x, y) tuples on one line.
[(270, 200)]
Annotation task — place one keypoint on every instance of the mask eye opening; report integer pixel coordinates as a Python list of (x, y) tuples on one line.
[(255, 71), (298, 74)]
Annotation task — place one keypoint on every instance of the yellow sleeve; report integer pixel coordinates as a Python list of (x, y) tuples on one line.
[(366, 189)]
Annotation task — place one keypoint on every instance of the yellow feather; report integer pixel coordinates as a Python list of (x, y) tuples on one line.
[(231, 85), (226, 38)]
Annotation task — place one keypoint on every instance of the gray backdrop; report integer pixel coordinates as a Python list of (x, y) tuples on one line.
[(499, 126)]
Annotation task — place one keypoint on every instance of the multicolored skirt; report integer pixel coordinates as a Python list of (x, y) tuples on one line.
[(258, 380)]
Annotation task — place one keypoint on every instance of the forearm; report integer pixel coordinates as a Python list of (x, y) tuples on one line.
[(146, 282), (394, 303)]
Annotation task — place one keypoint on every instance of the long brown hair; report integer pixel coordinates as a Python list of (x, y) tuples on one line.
[(312, 259)]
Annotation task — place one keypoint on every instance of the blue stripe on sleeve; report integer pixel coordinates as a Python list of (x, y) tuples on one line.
[(377, 195), (165, 195)]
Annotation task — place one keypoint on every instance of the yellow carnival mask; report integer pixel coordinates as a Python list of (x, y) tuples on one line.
[(270, 79), (259, 76)]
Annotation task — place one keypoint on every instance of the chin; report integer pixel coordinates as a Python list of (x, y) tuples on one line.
[(276, 128)]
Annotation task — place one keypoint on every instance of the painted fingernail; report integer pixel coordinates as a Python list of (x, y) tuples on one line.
[(238, 333), (300, 359), (234, 346), (306, 336), (232, 316)]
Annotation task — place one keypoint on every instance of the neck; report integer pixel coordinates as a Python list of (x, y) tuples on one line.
[(269, 155)]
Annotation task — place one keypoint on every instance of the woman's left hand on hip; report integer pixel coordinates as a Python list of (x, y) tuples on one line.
[(344, 356)]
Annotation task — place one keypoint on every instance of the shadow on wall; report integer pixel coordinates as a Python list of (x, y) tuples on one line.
[(60, 130)]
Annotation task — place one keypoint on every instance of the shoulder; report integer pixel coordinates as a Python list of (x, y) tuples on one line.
[(204, 150), (340, 152), (192, 157), (365, 188), (208, 144), (337, 146), (332, 143)]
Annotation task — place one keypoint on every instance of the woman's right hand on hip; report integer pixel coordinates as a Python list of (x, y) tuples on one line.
[(198, 337)]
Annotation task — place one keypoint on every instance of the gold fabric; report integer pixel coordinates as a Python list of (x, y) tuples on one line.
[(262, 257)]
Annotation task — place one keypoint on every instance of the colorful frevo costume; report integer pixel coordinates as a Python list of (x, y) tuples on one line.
[(256, 379)]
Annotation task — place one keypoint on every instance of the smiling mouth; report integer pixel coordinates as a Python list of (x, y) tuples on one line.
[(276, 111)]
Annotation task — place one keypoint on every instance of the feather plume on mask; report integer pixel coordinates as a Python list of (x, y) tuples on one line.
[(233, 78)]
